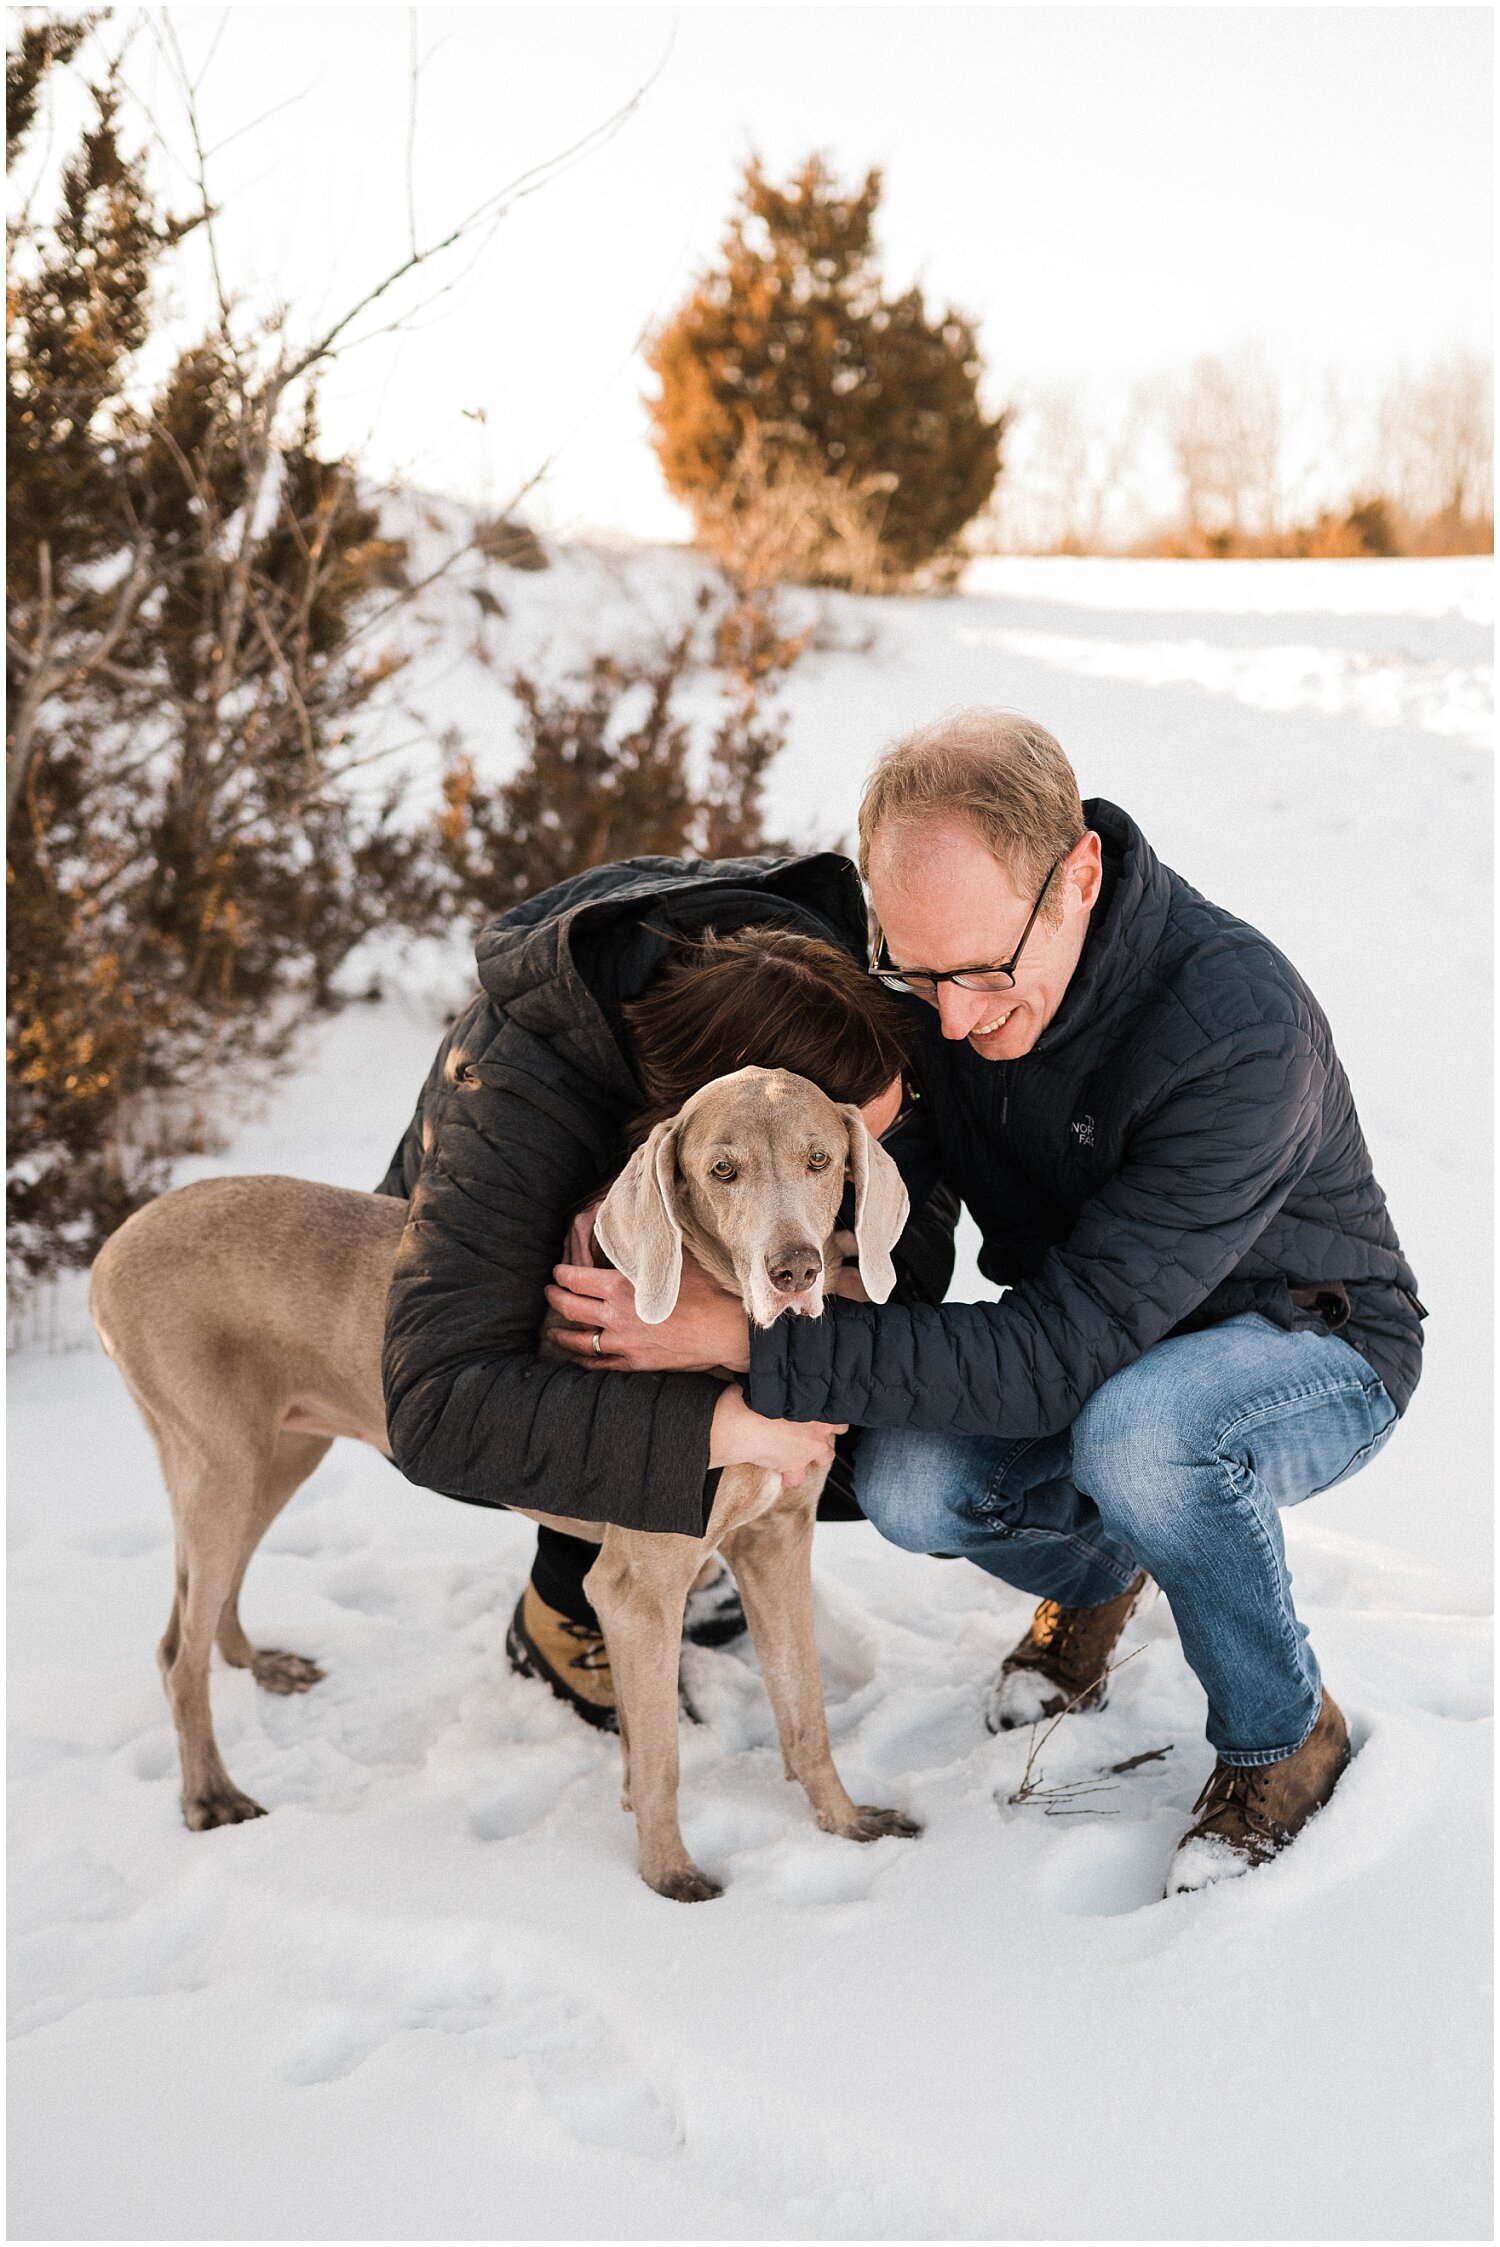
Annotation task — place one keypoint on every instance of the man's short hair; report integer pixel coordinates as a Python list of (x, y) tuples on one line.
[(998, 774)]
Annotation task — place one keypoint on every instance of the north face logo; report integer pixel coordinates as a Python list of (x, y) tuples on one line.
[(1083, 1130)]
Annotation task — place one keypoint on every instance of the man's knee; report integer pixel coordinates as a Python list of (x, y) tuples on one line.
[(1139, 1447), (914, 1487)]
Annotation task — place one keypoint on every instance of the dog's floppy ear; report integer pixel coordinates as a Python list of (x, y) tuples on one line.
[(880, 1206), (637, 1225)]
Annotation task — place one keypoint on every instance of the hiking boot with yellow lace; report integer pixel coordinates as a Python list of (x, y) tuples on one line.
[(1250, 1813), (570, 1657), (1062, 1662)]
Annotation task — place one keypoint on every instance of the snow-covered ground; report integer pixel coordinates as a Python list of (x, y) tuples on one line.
[(428, 1997)]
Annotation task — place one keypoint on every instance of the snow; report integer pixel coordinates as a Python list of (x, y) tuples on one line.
[(428, 1997)]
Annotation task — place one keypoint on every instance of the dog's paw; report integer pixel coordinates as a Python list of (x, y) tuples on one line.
[(219, 1806), (686, 1886), (285, 1673), (872, 1824)]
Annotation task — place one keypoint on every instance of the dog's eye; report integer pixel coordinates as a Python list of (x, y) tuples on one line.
[(818, 1159), (723, 1169)]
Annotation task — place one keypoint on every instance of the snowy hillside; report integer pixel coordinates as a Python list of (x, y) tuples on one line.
[(428, 1996)]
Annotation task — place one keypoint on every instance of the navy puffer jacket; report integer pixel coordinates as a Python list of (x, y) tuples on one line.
[(1179, 1146)]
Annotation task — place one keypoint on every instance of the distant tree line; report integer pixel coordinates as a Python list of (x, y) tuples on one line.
[(1232, 458)]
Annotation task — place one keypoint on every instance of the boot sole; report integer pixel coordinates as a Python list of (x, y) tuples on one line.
[(1093, 1697), (716, 1630), (527, 1662), (1096, 1698)]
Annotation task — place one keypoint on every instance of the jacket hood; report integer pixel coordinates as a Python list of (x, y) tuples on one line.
[(559, 964), (1125, 931)]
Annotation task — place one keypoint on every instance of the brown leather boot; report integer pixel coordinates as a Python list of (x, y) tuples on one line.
[(1250, 1814), (1062, 1662), (568, 1656)]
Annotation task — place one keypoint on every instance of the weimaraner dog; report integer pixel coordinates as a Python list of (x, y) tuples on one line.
[(247, 1315)]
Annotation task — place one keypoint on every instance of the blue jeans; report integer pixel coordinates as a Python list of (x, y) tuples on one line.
[(1178, 1465)]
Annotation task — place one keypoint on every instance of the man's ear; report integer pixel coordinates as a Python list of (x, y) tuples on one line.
[(637, 1225), (1086, 869), (880, 1206)]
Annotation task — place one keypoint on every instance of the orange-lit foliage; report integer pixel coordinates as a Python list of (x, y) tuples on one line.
[(183, 579), (609, 769), (800, 408)]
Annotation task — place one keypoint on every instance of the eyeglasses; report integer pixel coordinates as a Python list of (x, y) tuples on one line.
[(923, 983), (904, 1114)]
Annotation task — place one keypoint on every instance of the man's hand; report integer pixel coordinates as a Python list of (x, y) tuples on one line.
[(707, 1329), (792, 1449)]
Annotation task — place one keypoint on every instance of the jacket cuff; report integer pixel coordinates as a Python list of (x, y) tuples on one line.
[(681, 1439), (791, 1367)]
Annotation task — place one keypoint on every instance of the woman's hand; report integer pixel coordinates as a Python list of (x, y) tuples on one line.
[(707, 1329), (792, 1449), (846, 1280)]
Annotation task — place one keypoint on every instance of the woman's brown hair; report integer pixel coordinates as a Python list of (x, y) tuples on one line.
[(765, 998)]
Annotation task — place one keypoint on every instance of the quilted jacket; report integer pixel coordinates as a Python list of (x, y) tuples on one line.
[(521, 1121), (1179, 1146)]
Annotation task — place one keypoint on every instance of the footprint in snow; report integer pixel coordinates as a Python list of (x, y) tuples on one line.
[(382, 1730), (368, 1588), (919, 1732), (586, 2079), (578, 2068), (154, 1754), (473, 1598), (1101, 1870), (530, 1784), (128, 1541), (717, 1832), (847, 1656), (311, 1536), (828, 1871), (67, 1889), (28, 1757)]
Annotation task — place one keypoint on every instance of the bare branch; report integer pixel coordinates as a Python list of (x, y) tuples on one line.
[(213, 48), (493, 207), (1030, 1785), (45, 678), (253, 124), (288, 676), (166, 36), (38, 685), (522, 491), (411, 134)]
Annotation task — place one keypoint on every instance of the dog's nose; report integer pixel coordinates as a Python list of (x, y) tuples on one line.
[(794, 1267)]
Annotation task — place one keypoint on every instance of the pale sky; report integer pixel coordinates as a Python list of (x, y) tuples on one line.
[(1108, 191)]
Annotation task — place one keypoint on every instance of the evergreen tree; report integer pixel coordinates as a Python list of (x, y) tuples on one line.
[(789, 367), (185, 576)]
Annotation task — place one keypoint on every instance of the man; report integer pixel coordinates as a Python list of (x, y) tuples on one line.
[(1209, 1316)]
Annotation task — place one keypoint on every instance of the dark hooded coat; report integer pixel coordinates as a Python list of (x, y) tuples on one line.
[(521, 1122)]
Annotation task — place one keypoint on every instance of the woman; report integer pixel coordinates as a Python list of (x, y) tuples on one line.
[(605, 1002)]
